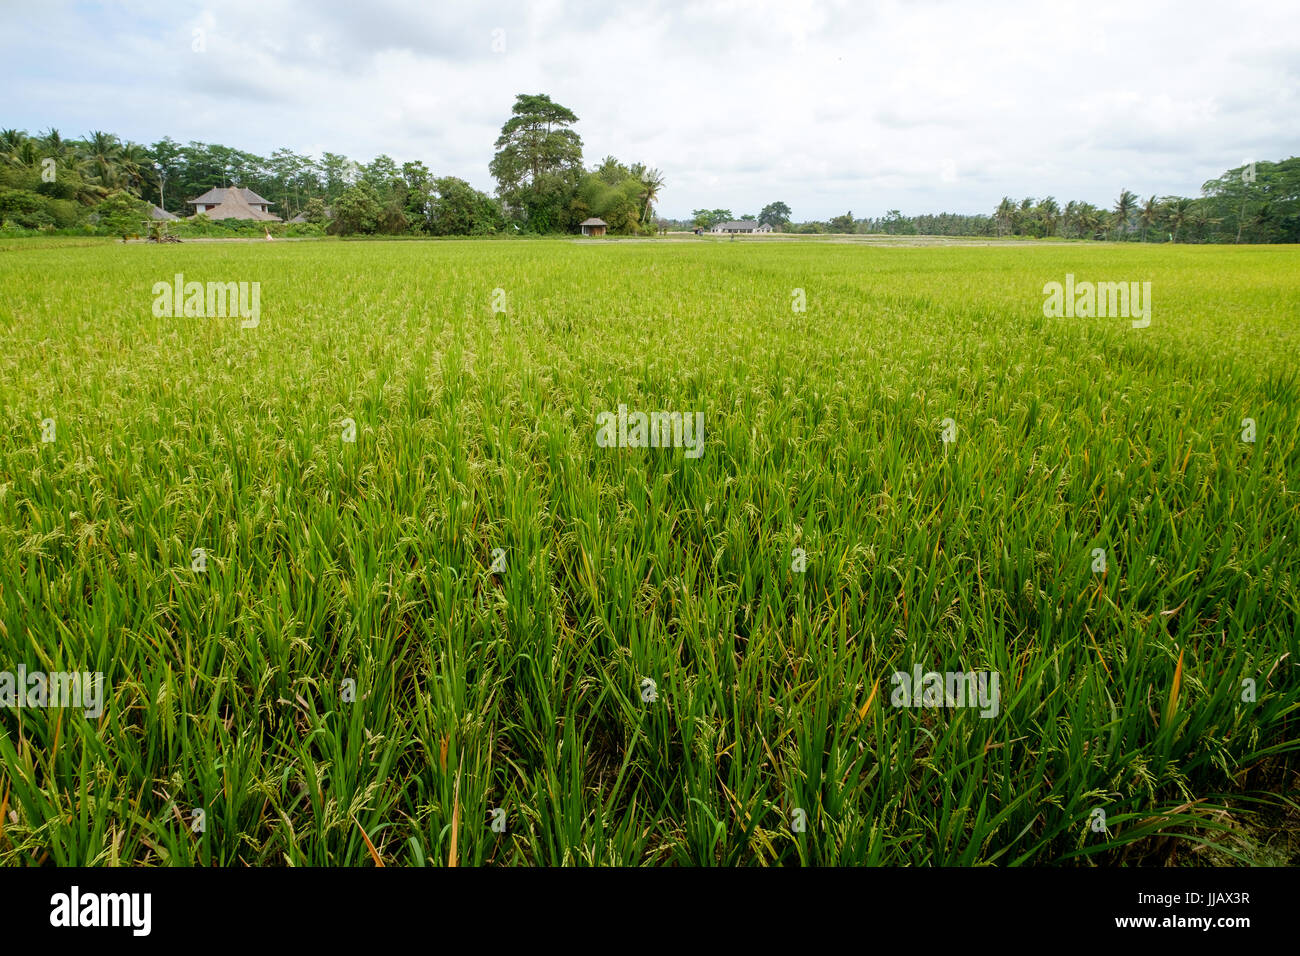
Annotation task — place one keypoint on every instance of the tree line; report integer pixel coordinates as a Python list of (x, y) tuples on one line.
[(49, 182), (1255, 202)]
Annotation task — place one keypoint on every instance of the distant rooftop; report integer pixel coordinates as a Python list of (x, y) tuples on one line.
[(219, 194), (235, 206)]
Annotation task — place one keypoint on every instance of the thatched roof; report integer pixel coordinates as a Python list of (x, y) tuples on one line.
[(157, 212), (219, 194), (234, 206), (593, 221)]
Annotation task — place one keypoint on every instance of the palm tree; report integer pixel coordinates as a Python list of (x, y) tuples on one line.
[(1023, 212), (1178, 213), (1263, 218), (1048, 213), (1124, 209), (654, 181), (1148, 215), (1069, 217), (1005, 213), (133, 160), (11, 141), (1092, 220), (27, 154), (17, 148), (52, 144), (102, 151), (1202, 221)]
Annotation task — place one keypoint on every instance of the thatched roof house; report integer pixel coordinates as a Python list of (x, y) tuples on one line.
[(233, 203), (593, 226), (157, 212)]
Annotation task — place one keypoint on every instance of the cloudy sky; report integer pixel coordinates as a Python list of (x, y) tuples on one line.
[(919, 105)]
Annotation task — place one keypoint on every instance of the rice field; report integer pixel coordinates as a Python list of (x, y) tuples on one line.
[(364, 586)]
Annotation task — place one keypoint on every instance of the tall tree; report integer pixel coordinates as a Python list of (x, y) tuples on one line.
[(1023, 214), (611, 171), (1124, 207), (358, 210), (1048, 215), (339, 173), (136, 167), (418, 188), (1148, 215), (538, 160), (169, 157), (653, 180), (292, 177), (383, 176), (1069, 218), (775, 214), (1005, 215), (102, 151), (1178, 213)]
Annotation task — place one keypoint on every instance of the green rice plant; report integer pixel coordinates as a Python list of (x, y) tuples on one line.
[(364, 588)]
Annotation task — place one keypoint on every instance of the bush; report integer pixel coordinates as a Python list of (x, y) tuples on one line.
[(458, 209), (315, 212), (122, 214), (65, 213), (24, 209), (358, 210)]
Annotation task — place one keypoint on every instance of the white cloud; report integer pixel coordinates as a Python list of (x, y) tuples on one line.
[(921, 106)]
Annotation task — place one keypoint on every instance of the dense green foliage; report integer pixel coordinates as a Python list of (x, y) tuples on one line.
[(1255, 203), (51, 183), (538, 161), (48, 183), (708, 218), (538, 168), (458, 209), (473, 373), (775, 214)]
